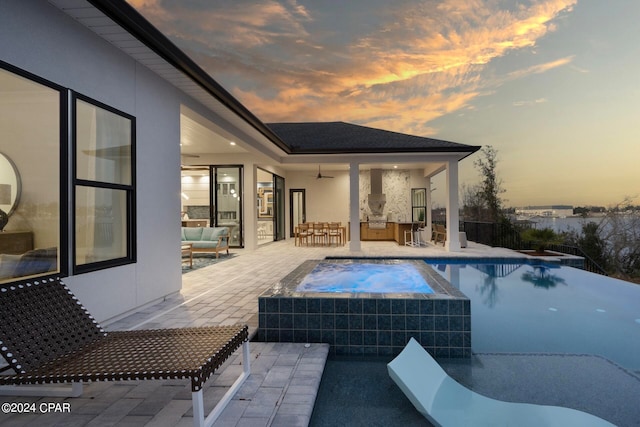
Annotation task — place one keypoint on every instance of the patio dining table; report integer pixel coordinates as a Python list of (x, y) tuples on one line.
[(324, 230)]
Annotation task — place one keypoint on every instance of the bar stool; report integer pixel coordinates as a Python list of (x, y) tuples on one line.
[(411, 232), (408, 237)]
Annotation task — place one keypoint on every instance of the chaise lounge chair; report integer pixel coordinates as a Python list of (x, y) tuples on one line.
[(445, 402), (48, 338)]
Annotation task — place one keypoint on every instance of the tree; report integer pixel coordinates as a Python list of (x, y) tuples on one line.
[(592, 244), (614, 243), (482, 202), (620, 229), (472, 202), (491, 186)]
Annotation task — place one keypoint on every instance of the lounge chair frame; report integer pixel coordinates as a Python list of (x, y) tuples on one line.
[(48, 337), (445, 402), (439, 234)]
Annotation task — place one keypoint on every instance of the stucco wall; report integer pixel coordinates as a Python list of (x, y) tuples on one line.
[(328, 199), (40, 39)]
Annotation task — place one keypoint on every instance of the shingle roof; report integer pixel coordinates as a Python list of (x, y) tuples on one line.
[(341, 137)]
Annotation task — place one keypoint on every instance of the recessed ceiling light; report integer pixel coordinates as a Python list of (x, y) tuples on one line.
[(395, 166), (232, 143)]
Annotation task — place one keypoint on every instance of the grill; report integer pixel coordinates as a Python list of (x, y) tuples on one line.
[(377, 222)]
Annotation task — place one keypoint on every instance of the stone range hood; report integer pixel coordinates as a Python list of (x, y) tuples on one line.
[(376, 200)]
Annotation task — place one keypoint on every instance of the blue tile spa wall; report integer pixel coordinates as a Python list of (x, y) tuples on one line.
[(367, 323), (368, 326)]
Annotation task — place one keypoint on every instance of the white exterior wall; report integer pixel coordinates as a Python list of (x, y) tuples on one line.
[(40, 39), (327, 199)]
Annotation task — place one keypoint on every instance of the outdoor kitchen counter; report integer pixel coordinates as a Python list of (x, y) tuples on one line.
[(392, 231)]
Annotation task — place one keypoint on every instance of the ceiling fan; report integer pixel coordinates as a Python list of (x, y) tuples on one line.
[(320, 176)]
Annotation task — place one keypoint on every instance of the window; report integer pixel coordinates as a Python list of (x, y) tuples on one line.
[(104, 186), (418, 204), (32, 174)]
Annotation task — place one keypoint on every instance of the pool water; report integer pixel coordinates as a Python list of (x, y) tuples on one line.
[(521, 307), (364, 277)]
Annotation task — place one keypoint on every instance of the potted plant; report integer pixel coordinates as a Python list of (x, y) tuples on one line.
[(540, 239)]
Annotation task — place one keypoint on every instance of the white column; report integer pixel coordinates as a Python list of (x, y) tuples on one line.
[(354, 206), (452, 243), (250, 206), (453, 275), (428, 217)]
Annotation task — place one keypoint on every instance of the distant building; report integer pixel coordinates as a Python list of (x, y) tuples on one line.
[(550, 211)]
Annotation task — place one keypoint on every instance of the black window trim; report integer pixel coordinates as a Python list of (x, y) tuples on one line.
[(63, 248), (131, 256)]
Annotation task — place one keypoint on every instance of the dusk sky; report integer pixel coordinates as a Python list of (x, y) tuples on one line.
[(553, 85)]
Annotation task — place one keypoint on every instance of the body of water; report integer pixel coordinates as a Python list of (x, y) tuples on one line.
[(560, 225)]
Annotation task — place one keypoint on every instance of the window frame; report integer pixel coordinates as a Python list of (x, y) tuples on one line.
[(130, 191), (63, 172)]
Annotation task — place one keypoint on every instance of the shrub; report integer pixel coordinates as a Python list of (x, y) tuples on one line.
[(540, 238)]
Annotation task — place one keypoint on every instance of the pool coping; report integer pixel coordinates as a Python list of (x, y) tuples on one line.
[(286, 287)]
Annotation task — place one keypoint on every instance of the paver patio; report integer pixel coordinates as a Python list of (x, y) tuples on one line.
[(284, 377)]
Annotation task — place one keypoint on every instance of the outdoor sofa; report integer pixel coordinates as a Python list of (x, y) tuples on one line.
[(206, 239)]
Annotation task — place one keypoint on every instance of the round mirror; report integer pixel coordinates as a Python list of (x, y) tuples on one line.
[(10, 188)]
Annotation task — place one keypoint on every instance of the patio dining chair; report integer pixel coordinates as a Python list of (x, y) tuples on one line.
[(445, 402), (319, 232), (334, 233), (302, 233)]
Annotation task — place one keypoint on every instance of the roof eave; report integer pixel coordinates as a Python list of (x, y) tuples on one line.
[(133, 22), (468, 149)]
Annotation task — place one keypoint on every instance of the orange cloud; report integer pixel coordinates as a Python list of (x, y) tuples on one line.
[(420, 61), (540, 68)]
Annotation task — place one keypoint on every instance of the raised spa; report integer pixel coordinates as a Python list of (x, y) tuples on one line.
[(364, 277), (367, 307)]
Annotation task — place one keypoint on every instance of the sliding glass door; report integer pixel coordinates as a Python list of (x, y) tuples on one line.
[(227, 203), (279, 215), (212, 197), (270, 207)]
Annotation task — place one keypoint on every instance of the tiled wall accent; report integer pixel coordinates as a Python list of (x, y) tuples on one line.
[(396, 185), (368, 326)]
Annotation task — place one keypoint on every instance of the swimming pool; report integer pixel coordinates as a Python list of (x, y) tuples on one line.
[(537, 307), (364, 277)]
